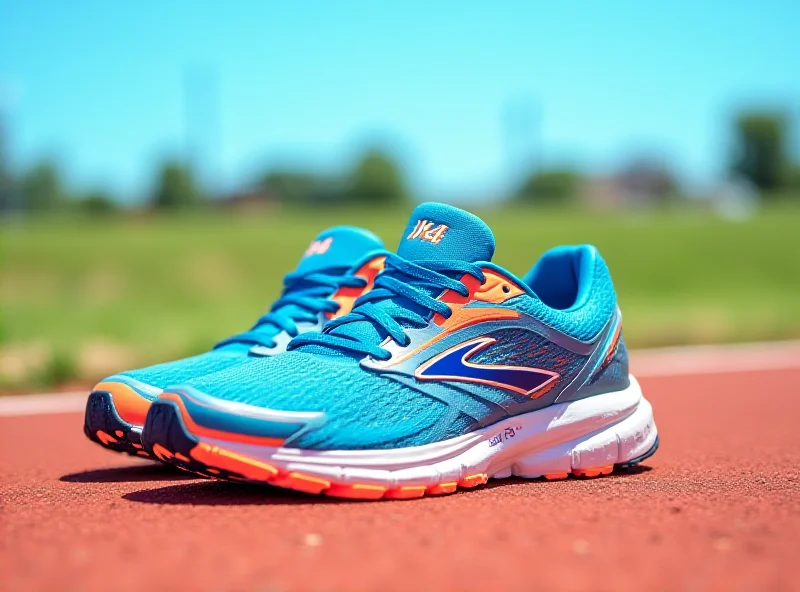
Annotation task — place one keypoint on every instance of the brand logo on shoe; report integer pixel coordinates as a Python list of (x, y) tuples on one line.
[(453, 364), (318, 247), (426, 231)]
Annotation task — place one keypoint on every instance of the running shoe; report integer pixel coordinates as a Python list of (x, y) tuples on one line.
[(337, 268), (451, 370)]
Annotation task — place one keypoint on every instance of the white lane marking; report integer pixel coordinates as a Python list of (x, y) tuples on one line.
[(650, 363), (17, 405), (715, 359)]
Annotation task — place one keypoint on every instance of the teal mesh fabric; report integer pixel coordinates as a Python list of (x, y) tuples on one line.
[(518, 347), (460, 235), (340, 246), (169, 373), (584, 322), (336, 252), (365, 410)]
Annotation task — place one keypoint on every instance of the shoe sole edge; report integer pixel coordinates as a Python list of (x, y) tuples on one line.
[(614, 447), (103, 425)]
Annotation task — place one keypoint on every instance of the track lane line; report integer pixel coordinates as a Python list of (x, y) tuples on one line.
[(649, 363), (19, 405), (715, 359)]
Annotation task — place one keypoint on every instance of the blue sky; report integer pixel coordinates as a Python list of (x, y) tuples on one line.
[(102, 86)]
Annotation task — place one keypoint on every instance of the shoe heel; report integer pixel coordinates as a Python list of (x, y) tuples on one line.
[(621, 445)]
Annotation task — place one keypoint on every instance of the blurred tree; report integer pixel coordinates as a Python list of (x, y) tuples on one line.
[(6, 179), (760, 148), (645, 178), (376, 178), (293, 186), (794, 177), (177, 187), (551, 186), (41, 188), (97, 203)]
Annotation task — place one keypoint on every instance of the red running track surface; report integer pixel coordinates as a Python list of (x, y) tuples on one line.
[(717, 508)]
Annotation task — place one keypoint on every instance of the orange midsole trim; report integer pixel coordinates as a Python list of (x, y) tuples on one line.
[(302, 482), (130, 405), (406, 492), (443, 488), (214, 456), (357, 491), (474, 480)]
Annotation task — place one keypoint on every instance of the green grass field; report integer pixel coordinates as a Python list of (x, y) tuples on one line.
[(81, 297)]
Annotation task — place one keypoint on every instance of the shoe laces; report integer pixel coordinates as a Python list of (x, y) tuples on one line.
[(399, 289), (305, 296)]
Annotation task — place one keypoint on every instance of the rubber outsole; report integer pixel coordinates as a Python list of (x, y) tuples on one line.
[(103, 425), (166, 437)]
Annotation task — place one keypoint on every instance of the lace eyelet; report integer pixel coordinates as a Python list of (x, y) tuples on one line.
[(506, 289)]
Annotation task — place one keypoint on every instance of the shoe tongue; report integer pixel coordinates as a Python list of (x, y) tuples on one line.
[(439, 231), (341, 246)]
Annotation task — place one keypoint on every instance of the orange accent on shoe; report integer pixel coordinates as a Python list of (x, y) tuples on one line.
[(162, 452), (198, 430), (406, 492), (105, 438), (143, 453), (213, 471), (130, 405), (545, 389), (443, 488), (119, 433), (462, 317), (555, 476), (182, 457), (135, 445), (356, 491), (213, 456), (612, 348), (496, 289), (596, 472), (347, 295), (301, 482), (473, 480)]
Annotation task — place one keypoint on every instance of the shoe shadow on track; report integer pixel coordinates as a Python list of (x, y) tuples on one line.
[(130, 473), (221, 493)]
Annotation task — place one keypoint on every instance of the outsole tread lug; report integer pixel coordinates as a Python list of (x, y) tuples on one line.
[(103, 425)]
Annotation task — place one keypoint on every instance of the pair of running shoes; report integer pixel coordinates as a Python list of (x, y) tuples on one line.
[(381, 375)]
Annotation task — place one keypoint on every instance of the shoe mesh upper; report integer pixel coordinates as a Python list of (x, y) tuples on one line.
[(169, 373), (365, 410)]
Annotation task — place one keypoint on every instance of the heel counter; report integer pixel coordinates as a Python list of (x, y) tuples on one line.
[(603, 287), (613, 373)]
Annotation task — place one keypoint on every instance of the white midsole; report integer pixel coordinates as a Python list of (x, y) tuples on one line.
[(594, 432)]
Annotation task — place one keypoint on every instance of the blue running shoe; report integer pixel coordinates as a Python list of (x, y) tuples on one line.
[(450, 371), (337, 268)]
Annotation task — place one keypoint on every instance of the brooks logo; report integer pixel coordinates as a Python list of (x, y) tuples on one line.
[(453, 364)]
